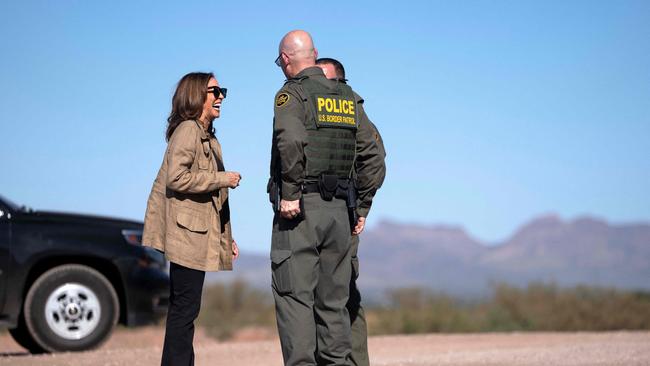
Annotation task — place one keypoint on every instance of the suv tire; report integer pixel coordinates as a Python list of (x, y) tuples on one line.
[(21, 335), (71, 308)]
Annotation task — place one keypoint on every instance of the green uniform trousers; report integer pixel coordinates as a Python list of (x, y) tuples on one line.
[(359, 327), (311, 264)]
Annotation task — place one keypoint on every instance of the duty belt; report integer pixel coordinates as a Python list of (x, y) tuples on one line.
[(328, 187), (310, 188)]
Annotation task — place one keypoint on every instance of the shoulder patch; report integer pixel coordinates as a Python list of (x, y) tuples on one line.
[(281, 99)]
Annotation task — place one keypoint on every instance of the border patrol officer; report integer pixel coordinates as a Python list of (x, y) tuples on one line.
[(318, 137), (333, 69)]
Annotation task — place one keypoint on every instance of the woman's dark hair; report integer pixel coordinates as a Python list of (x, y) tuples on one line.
[(188, 100)]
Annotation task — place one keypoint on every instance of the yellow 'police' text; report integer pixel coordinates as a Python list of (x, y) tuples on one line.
[(333, 105)]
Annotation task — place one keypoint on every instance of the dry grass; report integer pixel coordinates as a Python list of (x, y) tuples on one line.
[(539, 307), (229, 308)]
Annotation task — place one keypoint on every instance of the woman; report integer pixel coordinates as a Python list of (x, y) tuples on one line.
[(188, 216)]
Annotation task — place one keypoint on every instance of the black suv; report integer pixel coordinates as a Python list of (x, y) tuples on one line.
[(66, 279)]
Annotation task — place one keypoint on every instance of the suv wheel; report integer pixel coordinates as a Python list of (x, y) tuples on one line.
[(71, 308), (21, 335)]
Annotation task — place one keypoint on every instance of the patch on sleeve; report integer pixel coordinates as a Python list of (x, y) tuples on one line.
[(281, 99)]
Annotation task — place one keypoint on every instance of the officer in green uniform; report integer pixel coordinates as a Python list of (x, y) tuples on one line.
[(319, 138), (333, 69)]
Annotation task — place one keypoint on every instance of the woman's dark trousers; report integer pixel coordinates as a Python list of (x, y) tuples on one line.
[(185, 289)]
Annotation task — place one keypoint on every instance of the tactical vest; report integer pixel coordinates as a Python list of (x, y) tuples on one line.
[(331, 129)]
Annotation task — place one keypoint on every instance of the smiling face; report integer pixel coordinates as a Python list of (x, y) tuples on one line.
[(212, 104)]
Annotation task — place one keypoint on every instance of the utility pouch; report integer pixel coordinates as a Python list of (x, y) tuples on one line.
[(342, 189), (327, 185)]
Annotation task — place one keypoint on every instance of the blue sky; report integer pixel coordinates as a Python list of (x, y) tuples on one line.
[(493, 112)]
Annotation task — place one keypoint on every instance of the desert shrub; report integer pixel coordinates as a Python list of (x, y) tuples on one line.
[(549, 307), (538, 307), (416, 310), (227, 308)]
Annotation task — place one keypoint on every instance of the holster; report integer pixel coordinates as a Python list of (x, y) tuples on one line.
[(273, 189), (351, 203)]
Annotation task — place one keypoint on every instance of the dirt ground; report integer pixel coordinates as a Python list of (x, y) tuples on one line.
[(142, 346)]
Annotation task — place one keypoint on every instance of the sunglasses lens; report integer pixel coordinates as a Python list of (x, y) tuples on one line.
[(217, 91), (278, 61)]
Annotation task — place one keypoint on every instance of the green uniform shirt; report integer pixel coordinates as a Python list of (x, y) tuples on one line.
[(374, 173), (290, 138)]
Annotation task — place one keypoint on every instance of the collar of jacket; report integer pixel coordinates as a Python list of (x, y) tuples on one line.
[(310, 71), (204, 134)]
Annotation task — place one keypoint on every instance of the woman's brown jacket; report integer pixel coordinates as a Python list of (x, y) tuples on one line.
[(187, 215)]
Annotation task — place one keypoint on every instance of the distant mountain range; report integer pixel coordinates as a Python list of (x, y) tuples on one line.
[(446, 259)]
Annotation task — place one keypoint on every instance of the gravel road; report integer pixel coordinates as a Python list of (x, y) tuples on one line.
[(141, 347)]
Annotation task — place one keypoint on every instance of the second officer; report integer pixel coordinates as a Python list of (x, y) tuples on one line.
[(318, 138)]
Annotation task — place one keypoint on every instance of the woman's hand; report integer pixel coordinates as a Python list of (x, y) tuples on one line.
[(235, 250), (233, 179)]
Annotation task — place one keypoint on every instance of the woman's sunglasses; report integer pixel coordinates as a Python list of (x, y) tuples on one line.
[(215, 90)]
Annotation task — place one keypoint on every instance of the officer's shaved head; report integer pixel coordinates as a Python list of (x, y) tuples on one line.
[(296, 40), (297, 52), (332, 68)]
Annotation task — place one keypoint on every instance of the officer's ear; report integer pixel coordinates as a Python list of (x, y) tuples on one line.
[(315, 54)]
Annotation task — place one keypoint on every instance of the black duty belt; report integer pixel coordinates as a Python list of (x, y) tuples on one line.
[(310, 188)]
